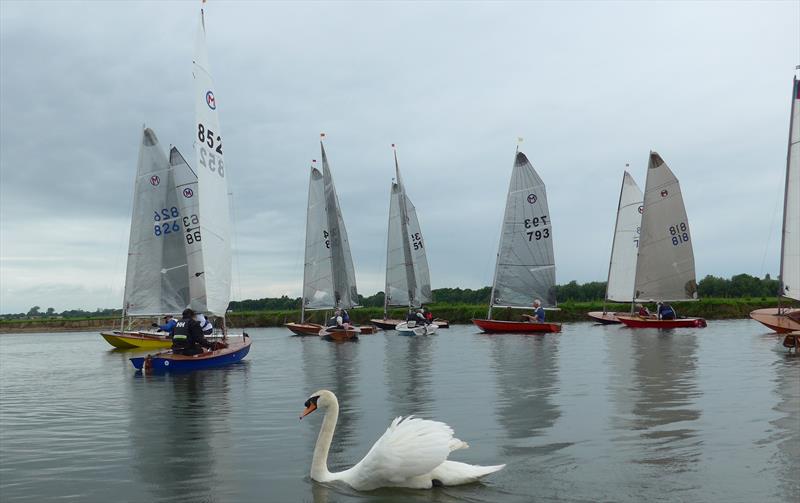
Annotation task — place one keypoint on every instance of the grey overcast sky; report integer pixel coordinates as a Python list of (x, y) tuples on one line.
[(590, 86)]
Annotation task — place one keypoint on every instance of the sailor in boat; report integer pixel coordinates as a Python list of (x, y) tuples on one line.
[(205, 325), (337, 320), (415, 317), (538, 313), (188, 337), (643, 311), (428, 316), (168, 326), (666, 312)]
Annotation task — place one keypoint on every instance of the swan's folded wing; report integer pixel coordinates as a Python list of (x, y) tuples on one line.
[(410, 447)]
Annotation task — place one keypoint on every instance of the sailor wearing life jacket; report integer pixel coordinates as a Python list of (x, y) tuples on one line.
[(188, 337), (205, 325)]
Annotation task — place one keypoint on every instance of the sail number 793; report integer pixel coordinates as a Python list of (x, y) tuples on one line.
[(533, 223)]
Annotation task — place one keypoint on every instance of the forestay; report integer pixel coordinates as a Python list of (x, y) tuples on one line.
[(155, 281), (212, 180), (622, 268), (408, 280), (525, 268), (665, 264), (790, 248)]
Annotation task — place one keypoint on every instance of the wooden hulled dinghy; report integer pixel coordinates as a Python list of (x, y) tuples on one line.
[(339, 334), (781, 320), (304, 328), (638, 322), (511, 327)]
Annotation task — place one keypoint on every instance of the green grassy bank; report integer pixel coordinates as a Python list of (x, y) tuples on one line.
[(712, 309)]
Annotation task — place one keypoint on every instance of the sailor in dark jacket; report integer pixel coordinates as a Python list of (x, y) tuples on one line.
[(188, 336)]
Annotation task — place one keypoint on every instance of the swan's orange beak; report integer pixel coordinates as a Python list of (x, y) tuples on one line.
[(311, 407)]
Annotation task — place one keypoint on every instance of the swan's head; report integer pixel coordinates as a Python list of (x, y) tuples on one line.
[(319, 400)]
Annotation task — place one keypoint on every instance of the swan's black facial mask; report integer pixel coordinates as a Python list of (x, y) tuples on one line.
[(311, 406)]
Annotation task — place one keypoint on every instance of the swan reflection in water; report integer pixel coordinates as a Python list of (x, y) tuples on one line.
[(173, 418)]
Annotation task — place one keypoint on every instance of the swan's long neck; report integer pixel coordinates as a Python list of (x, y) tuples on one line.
[(319, 464)]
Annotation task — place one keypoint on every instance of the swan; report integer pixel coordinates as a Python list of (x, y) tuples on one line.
[(411, 453)]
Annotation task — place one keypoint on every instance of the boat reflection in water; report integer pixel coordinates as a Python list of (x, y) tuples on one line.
[(177, 424), (663, 411), (527, 380), (786, 432), (408, 377)]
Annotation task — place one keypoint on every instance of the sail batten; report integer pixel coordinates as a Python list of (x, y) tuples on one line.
[(665, 267), (525, 267)]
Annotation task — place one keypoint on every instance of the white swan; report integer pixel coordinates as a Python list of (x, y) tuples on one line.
[(412, 453)]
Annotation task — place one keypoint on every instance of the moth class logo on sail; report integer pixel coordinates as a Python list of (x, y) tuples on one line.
[(155, 180), (532, 198), (211, 101), (187, 192)]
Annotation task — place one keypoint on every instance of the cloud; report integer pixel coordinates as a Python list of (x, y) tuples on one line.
[(589, 86)]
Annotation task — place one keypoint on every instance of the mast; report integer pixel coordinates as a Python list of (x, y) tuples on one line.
[(795, 97), (388, 244), (616, 223)]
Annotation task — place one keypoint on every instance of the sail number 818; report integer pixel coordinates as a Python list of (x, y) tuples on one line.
[(679, 233)]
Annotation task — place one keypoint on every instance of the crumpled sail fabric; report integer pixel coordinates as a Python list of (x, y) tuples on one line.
[(622, 268), (329, 276), (525, 268), (155, 281), (790, 248), (317, 274), (665, 264), (408, 280), (212, 180)]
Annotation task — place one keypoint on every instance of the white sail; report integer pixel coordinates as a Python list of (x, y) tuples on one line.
[(156, 281), (328, 276), (317, 272), (790, 246), (212, 179), (408, 280), (187, 194), (665, 263), (622, 268), (525, 268)]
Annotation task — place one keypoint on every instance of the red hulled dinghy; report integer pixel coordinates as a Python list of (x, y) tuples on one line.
[(516, 327), (638, 322)]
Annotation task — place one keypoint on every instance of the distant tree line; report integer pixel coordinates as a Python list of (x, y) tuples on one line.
[(738, 286)]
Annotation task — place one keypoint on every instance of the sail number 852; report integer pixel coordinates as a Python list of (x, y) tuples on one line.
[(207, 157), (679, 233)]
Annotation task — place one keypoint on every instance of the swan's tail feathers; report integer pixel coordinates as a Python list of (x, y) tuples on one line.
[(453, 473), (456, 444)]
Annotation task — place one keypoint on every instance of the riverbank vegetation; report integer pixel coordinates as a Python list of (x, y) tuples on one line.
[(720, 298)]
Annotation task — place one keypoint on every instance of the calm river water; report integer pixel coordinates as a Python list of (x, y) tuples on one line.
[(592, 414)]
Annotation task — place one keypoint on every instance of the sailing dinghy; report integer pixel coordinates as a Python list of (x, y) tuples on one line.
[(525, 268), (329, 280), (783, 319), (665, 260), (408, 281), (156, 282), (203, 224), (622, 266)]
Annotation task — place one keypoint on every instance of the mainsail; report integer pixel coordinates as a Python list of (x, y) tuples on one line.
[(525, 268), (328, 276), (665, 263), (156, 281), (210, 283), (622, 267), (408, 281), (790, 244)]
